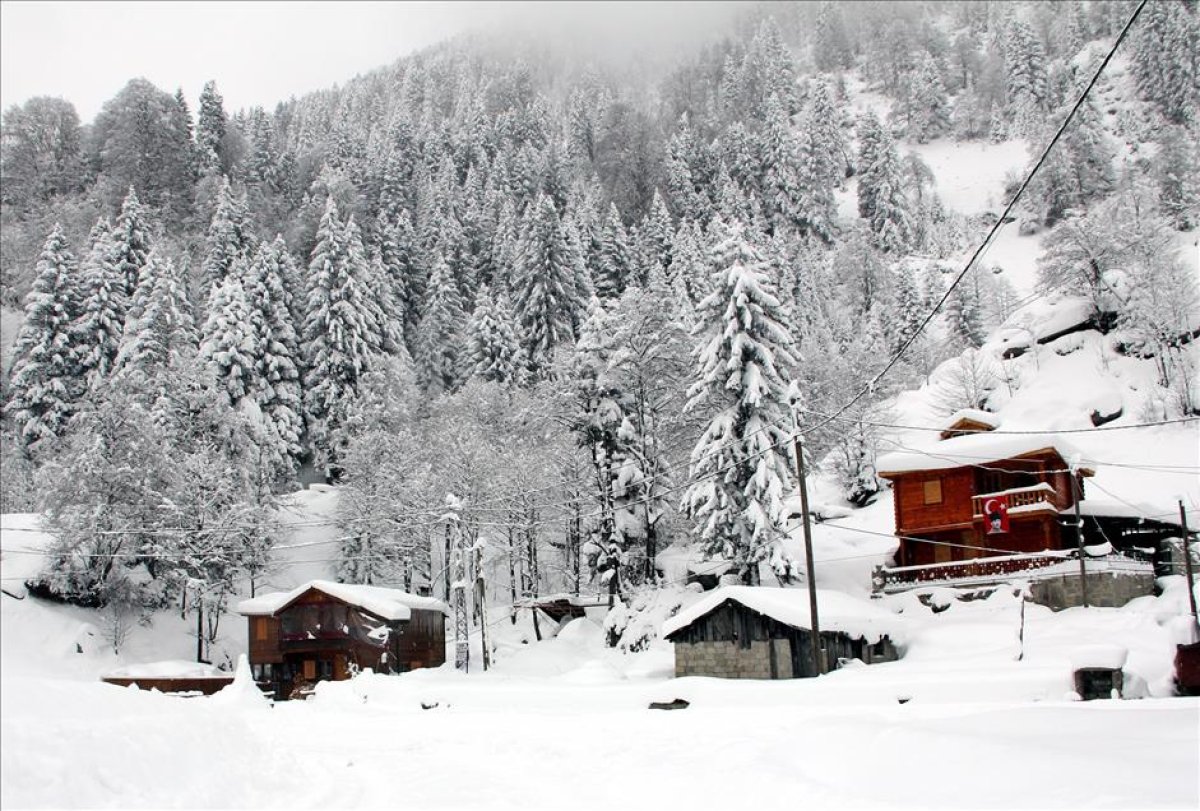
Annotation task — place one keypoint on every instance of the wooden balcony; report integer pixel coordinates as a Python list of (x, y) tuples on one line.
[(1038, 499), (976, 571)]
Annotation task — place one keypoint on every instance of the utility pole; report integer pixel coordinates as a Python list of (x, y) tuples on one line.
[(1187, 565), (808, 559), (1077, 493), (462, 623), (481, 602)]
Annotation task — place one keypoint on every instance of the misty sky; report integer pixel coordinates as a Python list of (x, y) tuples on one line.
[(264, 52)]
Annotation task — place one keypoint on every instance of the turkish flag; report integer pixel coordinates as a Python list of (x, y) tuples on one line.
[(995, 514)]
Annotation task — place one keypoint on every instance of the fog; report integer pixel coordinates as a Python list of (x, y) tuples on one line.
[(262, 53)]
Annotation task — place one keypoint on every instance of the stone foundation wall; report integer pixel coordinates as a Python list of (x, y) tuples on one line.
[(1105, 589), (727, 660)]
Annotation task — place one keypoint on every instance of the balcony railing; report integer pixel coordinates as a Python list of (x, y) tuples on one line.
[(1021, 500), (979, 569)]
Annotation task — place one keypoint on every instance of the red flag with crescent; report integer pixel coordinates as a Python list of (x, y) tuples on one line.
[(995, 515)]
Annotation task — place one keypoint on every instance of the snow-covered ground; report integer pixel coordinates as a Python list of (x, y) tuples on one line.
[(566, 721)]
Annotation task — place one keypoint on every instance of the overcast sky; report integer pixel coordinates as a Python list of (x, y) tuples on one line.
[(265, 52)]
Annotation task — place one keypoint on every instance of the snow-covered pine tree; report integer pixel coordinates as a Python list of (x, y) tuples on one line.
[(47, 378), (161, 334), (616, 261), (831, 46), (210, 129), (492, 345), (341, 329), (278, 360), (782, 173), (546, 298), (1165, 64), (229, 238), (440, 334), (963, 317), (1025, 73), (928, 104), (872, 141), (101, 321), (131, 240), (740, 471), (822, 137), (658, 233), (883, 184), (1178, 170), (229, 342)]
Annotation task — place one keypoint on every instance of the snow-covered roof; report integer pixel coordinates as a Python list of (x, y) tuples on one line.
[(978, 449), (837, 611), (973, 415), (390, 604), (1110, 508)]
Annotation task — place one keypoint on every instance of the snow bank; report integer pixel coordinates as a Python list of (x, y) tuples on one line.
[(171, 669), (838, 612), (242, 692)]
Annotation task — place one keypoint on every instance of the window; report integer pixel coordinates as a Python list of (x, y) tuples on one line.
[(933, 491), (310, 670), (260, 629)]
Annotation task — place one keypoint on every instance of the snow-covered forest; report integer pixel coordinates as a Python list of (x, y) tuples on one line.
[(575, 311)]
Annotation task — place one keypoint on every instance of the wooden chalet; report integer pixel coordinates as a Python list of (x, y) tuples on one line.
[(756, 632), (977, 505), (325, 631)]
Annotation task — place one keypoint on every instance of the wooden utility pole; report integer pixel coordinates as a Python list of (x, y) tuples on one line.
[(1077, 492), (1187, 565), (808, 559)]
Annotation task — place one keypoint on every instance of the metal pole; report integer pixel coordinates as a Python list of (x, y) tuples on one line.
[(808, 560), (1077, 494), (1187, 565)]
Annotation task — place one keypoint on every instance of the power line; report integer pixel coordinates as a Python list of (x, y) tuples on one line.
[(999, 432), (873, 382)]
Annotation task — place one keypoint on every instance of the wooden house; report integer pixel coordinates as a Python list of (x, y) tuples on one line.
[(977, 505), (973, 495), (755, 632), (327, 631)]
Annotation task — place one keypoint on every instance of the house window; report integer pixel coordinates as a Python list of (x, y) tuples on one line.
[(260, 629), (310, 670), (933, 491)]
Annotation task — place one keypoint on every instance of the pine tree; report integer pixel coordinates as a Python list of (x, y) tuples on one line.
[(739, 469), (210, 129), (929, 105), (160, 330), (872, 142), (963, 316), (831, 46), (823, 138), (47, 377), (341, 329), (1165, 62), (616, 262), (131, 239), (782, 178), (229, 342), (440, 333), (881, 186), (1178, 170), (101, 320), (228, 238), (658, 233), (277, 364), (492, 345), (546, 299), (1025, 73)]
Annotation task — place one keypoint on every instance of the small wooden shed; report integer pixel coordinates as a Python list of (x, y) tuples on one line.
[(324, 631), (755, 632)]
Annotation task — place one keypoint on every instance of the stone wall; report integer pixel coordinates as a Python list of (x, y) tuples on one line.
[(1105, 589), (728, 660)]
